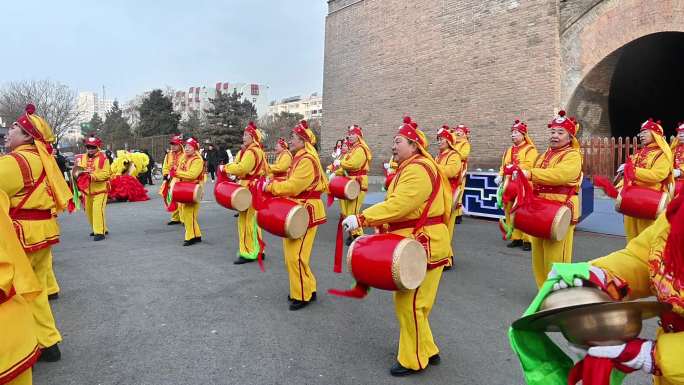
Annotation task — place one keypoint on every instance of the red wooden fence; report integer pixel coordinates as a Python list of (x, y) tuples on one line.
[(602, 156)]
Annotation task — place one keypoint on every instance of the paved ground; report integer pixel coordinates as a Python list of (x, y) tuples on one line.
[(140, 309)]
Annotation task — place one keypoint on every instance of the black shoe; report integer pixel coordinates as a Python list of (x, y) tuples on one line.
[(447, 268), (241, 261), (459, 219), (527, 246), (171, 223), (515, 243), (313, 297), (399, 371), (236, 215), (50, 354), (197, 240), (435, 360), (92, 234), (53, 296), (190, 242), (297, 304), (98, 237)]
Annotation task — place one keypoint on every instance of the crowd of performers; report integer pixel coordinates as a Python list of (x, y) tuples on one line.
[(413, 227)]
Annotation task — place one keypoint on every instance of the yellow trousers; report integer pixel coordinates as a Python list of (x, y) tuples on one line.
[(175, 216), (634, 226), (546, 252), (297, 255), (95, 210), (353, 207), (189, 213), (25, 378), (249, 234), (46, 329), (413, 307), (519, 235), (52, 285), (452, 226)]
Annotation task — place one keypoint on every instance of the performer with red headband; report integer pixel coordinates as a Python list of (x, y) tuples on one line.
[(677, 148), (250, 164), (171, 162), (96, 165), (523, 154), (190, 169), (556, 176), (650, 167), (37, 191), (278, 170), (450, 164), (355, 163), (417, 205), (304, 184), (462, 145)]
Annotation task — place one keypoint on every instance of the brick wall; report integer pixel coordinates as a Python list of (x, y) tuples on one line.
[(482, 63)]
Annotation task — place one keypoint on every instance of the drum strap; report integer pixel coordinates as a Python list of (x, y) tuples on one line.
[(436, 184), (29, 188)]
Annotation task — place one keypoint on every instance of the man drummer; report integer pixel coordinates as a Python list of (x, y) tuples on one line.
[(677, 148), (417, 205), (171, 161), (37, 191), (96, 165), (462, 145), (278, 170), (557, 175), (450, 164), (249, 165), (355, 164), (304, 184), (523, 154), (651, 167), (190, 169)]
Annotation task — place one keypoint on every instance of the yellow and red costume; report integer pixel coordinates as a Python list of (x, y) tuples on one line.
[(18, 288), (418, 185), (652, 264), (678, 160), (190, 169), (250, 164), (450, 164), (171, 162), (355, 164), (651, 167), (304, 184), (278, 170), (37, 191), (462, 145), (557, 175), (524, 156), (98, 168)]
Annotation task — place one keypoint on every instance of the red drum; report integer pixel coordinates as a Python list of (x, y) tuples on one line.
[(543, 218), (387, 261), (641, 202), (232, 196), (284, 218), (186, 192), (679, 186), (344, 188)]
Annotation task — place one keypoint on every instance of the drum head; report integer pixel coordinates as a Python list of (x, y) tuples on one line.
[(409, 264), (352, 189), (241, 199), (297, 222), (561, 223)]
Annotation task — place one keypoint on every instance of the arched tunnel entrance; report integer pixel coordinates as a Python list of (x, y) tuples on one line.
[(642, 79)]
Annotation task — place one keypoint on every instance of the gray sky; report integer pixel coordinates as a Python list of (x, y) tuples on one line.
[(131, 46)]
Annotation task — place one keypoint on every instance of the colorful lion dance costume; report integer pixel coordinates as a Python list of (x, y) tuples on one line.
[(125, 184)]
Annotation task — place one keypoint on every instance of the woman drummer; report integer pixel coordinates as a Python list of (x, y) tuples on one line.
[(190, 169), (278, 170), (449, 163), (417, 205), (304, 184), (462, 145)]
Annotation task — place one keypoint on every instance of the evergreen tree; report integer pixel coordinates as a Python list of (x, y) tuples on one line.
[(194, 125), (94, 126), (279, 125), (157, 116), (227, 118), (115, 126)]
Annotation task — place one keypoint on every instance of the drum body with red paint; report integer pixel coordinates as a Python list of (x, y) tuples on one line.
[(679, 186), (232, 196), (186, 192), (387, 261), (283, 217), (641, 202), (543, 218), (344, 188)]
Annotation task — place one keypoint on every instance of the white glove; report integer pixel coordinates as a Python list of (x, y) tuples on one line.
[(232, 177), (643, 360), (498, 180), (577, 282), (350, 223), (266, 182), (336, 163), (621, 168), (578, 351), (677, 173), (386, 166)]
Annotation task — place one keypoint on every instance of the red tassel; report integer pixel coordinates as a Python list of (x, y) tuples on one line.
[(260, 257), (331, 199), (338, 246), (591, 371), (359, 291), (71, 206), (606, 186)]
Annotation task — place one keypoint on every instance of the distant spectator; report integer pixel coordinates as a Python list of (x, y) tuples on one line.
[(150, 168), (61, 163), (212, 157)]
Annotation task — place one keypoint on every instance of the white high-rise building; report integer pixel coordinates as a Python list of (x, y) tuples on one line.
[(197, 98), (89, 103), (310, 107)]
